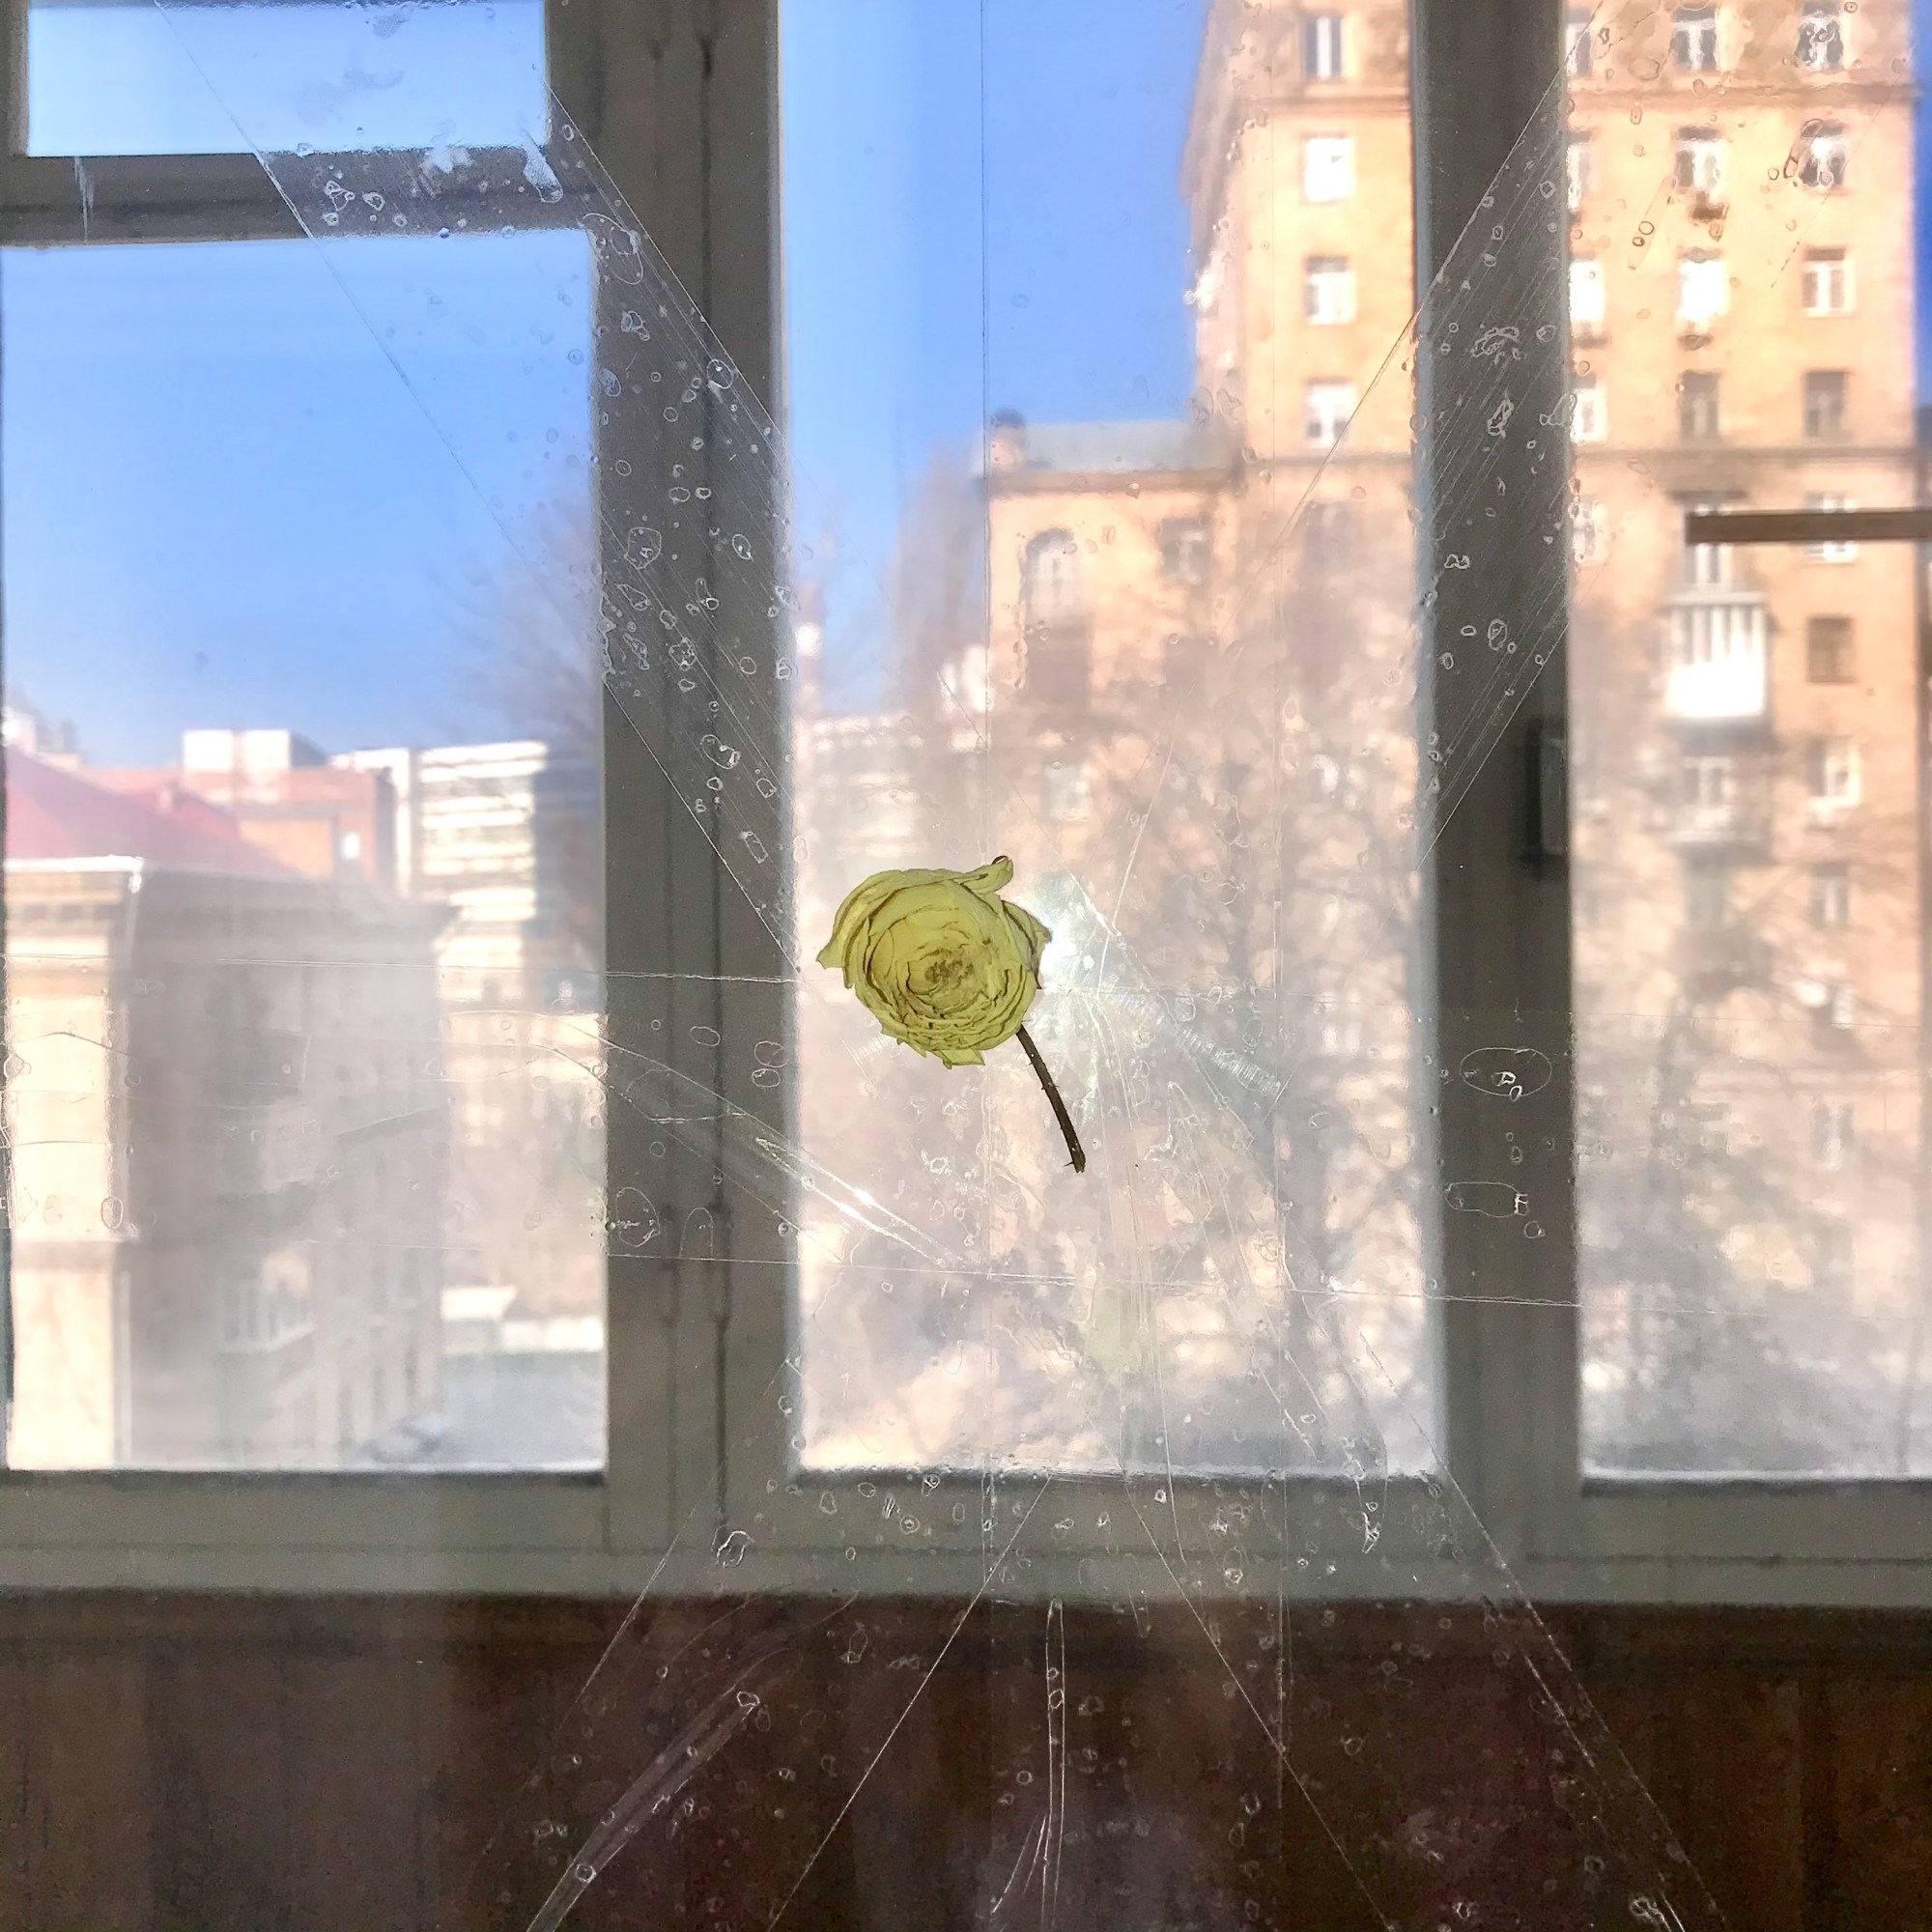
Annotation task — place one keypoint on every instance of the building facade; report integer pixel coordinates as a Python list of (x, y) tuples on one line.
[(228, 1153), (1192, 696)]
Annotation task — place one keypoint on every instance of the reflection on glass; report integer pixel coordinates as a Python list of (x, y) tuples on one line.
[(1080, 639), (301, 872), (1749, 916), (127, 79)]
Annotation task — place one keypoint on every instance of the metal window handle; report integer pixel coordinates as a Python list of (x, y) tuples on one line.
[(1807, 526), (1546, 791)]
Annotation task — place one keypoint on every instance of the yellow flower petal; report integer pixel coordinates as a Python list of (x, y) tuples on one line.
[(939, 959)]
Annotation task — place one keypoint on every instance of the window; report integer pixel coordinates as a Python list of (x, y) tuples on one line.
[(1328, 167), (1828, 650), (1824, 394), (1185, 546), (1707, 896), (1580, 170), (1832, 774), (1322, 46), (1694, 40), (181, 92), (1589, 416), (1068, 545), (1699, 165), (1577, 51), (1822, 155), (1826, 281), (1329, 406), (1702, 294), (1699, 418), (1057, 662), (1710, 781), (1056, 579), (1709, 564), (1586, 299), (1821, 37), (1834, 1135), (345, 892), (1589, 530), (1329, 289), (1834, 549), (1831, 903)]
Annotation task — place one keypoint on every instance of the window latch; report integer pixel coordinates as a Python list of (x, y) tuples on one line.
[(1546, 791)]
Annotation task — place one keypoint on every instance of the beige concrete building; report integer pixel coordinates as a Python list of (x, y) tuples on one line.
[(1747, 733), (1196, 685), (228, 1149)]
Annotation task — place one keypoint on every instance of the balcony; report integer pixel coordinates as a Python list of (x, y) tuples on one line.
[(1732, 824), (1717, 959), (1718, 661)]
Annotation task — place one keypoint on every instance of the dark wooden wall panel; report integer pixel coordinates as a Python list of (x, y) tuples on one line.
[(14, 1815), (92, 1809), (220, 1758), (195, 1763)]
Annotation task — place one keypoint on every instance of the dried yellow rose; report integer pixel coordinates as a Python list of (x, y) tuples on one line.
[(944, 964), (940, 960)]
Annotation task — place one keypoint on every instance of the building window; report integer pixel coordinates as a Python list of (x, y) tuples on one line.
[(1703, 293), (1708, 793), (1832, 550), (1708, 565), (1329, 289), (1586, 297), (1698, 168), (1694, 40), (1589, 416), (1822, 155), (1831, 896), (1055, 586), (1698, 415), (1828, 281), (1832, 773), (1578, 54), (1589, 534), (1824, 397), (1322, 46), (1328, 167), (1579, 169), (1182, 542), (1834, 1135), (1821, 38), (1329, 408), (1828, 650), (1707, 896)]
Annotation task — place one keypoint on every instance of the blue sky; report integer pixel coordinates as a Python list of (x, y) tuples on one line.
[(222, 506)]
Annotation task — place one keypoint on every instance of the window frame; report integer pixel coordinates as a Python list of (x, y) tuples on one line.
[(689, 1339), (525, 1531)]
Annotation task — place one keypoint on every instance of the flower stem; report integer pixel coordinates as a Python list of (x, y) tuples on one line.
[(1074, 1151)]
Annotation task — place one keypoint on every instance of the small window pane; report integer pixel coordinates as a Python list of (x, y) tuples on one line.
[(303, 901), (219, 80), (1746, 758)]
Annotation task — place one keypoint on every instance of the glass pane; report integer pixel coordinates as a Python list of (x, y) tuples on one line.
[(302, 886), (1750, 758), (105, 77), (1057, 614)]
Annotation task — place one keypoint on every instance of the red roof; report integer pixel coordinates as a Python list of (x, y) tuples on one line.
[(53, 813)]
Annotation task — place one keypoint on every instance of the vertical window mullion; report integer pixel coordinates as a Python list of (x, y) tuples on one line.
[(1483, 72)]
